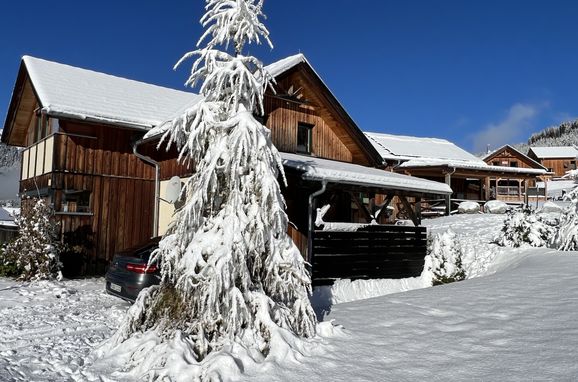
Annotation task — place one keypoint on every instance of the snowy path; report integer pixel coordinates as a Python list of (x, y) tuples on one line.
[(47, 329), (516, 325)]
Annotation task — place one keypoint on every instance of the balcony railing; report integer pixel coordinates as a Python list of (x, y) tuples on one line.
[(37, 159)]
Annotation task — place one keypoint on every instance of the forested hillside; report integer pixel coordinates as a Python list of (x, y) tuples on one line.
[(565, 134)]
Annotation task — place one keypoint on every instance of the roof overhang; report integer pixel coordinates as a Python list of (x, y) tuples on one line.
[(342, 173), (467, 169)]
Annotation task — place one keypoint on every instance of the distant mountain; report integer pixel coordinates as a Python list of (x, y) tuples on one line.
[(565, 134), (9, 172)]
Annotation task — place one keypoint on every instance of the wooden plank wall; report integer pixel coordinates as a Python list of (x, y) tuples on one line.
[(99, 159), (283, 118), (379, 251), (559, 166)]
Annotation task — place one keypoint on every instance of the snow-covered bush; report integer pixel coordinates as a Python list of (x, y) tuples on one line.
[(468, 207), (445, 258), (566, 238), (525, 228), (34, 254), (231, 276), (495, 207), (550, 207)]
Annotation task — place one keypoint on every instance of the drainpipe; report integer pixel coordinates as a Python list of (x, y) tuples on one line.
[(157, 184), (449, 196), (311, 229)]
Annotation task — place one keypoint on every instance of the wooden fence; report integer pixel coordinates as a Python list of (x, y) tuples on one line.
[(377, 251)]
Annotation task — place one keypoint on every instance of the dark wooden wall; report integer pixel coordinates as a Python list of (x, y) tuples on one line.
[(379, 251)]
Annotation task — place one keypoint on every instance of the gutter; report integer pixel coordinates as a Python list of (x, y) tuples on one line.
[(157, 184), (310, 228)]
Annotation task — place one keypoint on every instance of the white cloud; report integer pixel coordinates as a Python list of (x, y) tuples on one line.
[(509, 130)]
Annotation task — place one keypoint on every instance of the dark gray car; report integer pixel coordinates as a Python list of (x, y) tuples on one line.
[(129, 271)]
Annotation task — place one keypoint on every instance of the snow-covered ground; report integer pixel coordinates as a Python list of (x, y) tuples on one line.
[(514, 320)]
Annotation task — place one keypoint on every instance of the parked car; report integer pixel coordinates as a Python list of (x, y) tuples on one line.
[(129, 271)]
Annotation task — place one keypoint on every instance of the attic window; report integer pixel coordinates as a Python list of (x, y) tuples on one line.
[(304, 138)]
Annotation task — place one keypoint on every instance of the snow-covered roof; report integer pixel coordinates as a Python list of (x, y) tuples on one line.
[(483, 166), (347, 173), (399, 147), (555, 152), (6, 218), (511, 148), (68, 91)]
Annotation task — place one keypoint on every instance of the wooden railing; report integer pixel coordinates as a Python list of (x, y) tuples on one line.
[(37, 159), (378, 251)]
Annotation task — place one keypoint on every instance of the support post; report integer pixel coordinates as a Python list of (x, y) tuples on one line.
[(449, 196), (410, 211)]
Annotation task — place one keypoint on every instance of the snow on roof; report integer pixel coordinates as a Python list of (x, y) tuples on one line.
[(348, 173), (555, 152), (285, 64), (508, 147), (65, 90), (483, 166), (6, 218), (399, 147)]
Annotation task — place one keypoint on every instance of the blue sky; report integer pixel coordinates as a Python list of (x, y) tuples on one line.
[(474, 72)]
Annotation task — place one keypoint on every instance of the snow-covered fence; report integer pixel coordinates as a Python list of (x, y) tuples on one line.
[(371, 252)]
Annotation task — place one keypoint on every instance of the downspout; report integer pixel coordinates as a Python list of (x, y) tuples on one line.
[(157, 184), (310, 228)]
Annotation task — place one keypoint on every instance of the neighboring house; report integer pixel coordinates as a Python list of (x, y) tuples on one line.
[(84, 153), (514, 188), (557, 159), (470, 177), (8, 228)]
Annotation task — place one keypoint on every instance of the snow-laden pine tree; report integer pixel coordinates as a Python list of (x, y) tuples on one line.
[(445, 258), (523, 228), (230, 272), (566, 238), (35, 252)]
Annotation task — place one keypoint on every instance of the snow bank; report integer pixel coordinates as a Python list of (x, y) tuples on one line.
[(495, 207), (468, 208), (550, 207)]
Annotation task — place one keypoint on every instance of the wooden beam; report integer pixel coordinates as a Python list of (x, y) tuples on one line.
[(383, 206), (416, 221), (361, 207)]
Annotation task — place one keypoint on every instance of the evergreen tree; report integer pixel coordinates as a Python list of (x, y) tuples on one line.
[(525, 228), (34, 254), (444, 258), (566, 238), (230, 272)]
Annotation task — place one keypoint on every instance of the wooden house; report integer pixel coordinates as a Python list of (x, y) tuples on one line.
[(85, 154), (328, 160), (470, 177), (77, 127), (558, 159), (508, 187)]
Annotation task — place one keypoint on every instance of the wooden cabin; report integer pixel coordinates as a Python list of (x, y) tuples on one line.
[(558, 159), (508, 187), (328, 160), (470, 177), (77, 127), (85, 154)]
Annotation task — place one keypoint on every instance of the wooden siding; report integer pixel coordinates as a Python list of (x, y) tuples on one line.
[(283, 118), (380, 251), (559, 166)]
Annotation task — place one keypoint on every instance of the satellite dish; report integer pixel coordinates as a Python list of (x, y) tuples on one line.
[(173, 191)]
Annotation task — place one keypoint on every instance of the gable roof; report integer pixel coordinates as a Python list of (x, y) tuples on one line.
[(529, 160), (404, 148), (554, 152), (68, 91)]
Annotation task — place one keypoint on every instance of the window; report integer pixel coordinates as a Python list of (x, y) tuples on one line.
[(304, 138), (75, 201), (496, 163), (513, 164), (573, 165)]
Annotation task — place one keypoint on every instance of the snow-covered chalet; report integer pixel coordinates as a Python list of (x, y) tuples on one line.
[(85, 153)]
